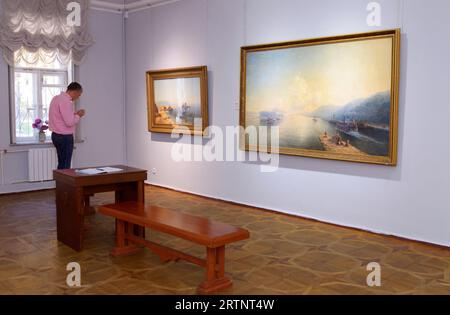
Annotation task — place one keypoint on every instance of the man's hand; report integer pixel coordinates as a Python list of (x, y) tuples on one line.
[(81, 112)]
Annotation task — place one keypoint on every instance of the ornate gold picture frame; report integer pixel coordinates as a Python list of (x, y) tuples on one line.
[(331, 98), (177, 100)]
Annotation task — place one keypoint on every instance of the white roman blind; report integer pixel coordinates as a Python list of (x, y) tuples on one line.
[(37, 31)]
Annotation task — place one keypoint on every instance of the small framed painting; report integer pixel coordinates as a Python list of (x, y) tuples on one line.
[(178, 100), (330, 98)]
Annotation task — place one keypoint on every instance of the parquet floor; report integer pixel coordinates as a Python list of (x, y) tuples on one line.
[(285, 255)]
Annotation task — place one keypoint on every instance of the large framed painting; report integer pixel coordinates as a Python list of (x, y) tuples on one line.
[(332, 98), (178, 100)]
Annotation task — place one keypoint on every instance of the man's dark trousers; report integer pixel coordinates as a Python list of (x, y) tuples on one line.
[(64, 149)]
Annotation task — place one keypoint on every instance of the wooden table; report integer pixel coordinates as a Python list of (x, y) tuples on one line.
[(74, 189)]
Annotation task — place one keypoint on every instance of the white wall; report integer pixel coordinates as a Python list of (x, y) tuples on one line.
[(102, 77), (410, 200), (103, 127)]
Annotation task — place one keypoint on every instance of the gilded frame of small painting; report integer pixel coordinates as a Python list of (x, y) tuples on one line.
[(331, 98), (177, 99)]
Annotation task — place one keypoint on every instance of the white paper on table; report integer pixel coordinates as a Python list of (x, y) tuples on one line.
[(110, 169), (91, 171)]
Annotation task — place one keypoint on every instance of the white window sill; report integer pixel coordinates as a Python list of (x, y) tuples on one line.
[(31, 143), (46, 143)]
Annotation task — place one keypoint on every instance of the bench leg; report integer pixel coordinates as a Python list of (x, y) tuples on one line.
[(122, 248), (215, 271)]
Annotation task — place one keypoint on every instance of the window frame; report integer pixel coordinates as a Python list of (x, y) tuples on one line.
[(68, 75)]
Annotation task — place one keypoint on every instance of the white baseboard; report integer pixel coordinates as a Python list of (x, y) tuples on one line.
[(26, 187)]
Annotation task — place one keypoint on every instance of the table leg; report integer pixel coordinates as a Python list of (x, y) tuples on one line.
[(69, 215)]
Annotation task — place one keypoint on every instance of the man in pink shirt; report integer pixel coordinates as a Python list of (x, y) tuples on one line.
[(62, 121)]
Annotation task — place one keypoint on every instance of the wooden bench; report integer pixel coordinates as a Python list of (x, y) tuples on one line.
[(213, 235)]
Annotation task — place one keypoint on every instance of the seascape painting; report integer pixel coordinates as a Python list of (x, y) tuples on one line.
[(177, 100), (330, 98)]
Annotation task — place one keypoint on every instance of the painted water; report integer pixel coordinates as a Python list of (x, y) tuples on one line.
[(302, 132)]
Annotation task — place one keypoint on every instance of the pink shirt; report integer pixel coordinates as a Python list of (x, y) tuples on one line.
[(61, 117)]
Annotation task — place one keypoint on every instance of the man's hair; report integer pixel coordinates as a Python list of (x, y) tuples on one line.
[(74, 86)]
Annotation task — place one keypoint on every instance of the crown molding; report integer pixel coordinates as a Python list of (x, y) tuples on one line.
[(145, 4), (107, 6), (129, 7)]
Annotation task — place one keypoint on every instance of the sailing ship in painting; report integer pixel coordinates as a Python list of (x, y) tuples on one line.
[(364, 123)]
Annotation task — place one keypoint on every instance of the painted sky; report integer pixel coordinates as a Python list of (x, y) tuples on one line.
[(303, 79), (175, 92)]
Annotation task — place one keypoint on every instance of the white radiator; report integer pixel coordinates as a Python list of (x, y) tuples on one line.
[(41, 163)]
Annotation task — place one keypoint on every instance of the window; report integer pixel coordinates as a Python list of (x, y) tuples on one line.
[(37, 74), (32, 88)]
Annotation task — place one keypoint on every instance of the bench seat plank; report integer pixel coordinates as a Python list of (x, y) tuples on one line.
[(192, 228)]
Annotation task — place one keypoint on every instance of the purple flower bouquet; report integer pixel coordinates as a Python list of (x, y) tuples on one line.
[(40, 125)]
